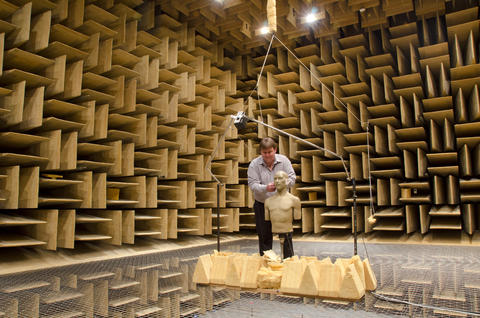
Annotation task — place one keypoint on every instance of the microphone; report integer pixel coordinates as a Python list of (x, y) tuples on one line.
[(240, 120)]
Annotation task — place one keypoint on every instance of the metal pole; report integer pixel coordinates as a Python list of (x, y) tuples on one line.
[(218, 216), (354, 217)]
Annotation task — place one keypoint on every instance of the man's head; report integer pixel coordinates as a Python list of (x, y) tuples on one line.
[(280, 180), (268, 148)]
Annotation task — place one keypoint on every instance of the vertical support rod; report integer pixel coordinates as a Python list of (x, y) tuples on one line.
[(354, 188), (282, 242), (218, 216)]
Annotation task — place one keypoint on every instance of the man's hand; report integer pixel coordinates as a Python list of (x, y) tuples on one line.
[(270, 187)]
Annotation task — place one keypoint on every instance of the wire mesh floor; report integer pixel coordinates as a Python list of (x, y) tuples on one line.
[(440, 278)]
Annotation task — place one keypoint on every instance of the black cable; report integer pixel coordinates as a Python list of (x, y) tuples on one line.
[(364, 245)]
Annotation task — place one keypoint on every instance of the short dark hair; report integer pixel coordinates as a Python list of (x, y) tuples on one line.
[(267, 143)]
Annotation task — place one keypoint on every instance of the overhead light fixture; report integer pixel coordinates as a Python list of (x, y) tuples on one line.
[(264, 30), (309, 18), (313, 16), (362, 10)]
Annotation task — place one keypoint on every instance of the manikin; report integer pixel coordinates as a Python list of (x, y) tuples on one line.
[(281, 209)]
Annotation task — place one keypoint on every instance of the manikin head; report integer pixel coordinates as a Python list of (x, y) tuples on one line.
[(280, 180), (268, 149)]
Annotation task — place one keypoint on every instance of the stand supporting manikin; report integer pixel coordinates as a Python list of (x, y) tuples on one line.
[(282, 242)]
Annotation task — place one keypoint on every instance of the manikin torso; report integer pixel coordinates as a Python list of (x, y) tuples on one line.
[(282, 207)]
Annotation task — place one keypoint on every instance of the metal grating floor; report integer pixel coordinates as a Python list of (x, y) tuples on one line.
[(438, 277)]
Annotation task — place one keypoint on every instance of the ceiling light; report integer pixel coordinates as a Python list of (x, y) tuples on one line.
[(362, 10), (310, 18), (314, 15), (264, 30)]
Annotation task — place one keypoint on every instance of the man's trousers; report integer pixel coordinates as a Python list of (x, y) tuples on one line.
[(264, 228)]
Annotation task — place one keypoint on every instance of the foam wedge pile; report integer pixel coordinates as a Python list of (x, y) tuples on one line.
[(346, 278)]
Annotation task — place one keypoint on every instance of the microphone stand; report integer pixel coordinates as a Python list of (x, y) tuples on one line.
[(219, 183)]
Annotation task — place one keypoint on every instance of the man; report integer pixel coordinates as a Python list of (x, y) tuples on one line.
[(260, 179), (279, 208)]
